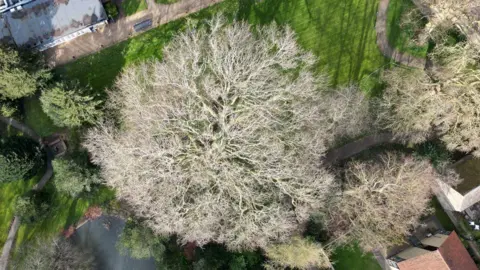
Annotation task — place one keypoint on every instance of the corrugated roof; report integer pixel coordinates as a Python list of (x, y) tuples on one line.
[(411, 252), (42, 21), (435, 240)]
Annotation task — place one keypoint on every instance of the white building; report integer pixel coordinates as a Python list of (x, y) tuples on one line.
[(43, 24), (467, 193)]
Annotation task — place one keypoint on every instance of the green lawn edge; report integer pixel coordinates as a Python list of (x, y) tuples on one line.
[(398, 37), (133, 6)]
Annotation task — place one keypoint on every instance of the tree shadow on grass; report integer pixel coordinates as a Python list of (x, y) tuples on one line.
[(367, 29), (72, 217), (262, 12), (340, 33), (133, 6)]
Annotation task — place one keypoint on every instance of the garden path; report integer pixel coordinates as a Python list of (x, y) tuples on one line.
[(358, 146), (385, 47), (47, 175)]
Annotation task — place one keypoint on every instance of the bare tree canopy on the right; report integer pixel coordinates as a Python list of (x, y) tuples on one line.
[(463, 15), (441, 102), (383, 200)]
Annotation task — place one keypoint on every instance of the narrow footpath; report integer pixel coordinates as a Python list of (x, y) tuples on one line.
[(385, 47), (358, 146), (7, 247)]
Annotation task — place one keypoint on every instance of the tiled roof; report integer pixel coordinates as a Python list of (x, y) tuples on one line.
[(455, 254), (430, 261), (451, 255)]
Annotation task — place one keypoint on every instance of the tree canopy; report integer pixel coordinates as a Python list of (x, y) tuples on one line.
[(19, 77), (53, 254), (299, 253), (140, 242), (441, 102), (69, 107), (222, 140), (71, 178), (383, 200), (447, 14), (20, 157), (14, 168)]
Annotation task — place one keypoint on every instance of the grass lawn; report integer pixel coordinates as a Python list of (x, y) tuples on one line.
[(342, 35), (65, 212), (349, 258), (8, 193), (133, 6), (442, 216), (401, 36), (36, 119)]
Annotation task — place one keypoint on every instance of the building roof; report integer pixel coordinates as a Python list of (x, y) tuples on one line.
[(412, 252), (432, 260), (435, 240), (455, 254), (43, 21), (451, 255)]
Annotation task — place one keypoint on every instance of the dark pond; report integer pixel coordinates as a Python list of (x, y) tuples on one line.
[(94, 236)]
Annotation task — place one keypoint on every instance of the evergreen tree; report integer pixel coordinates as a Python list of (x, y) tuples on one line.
[(20, 158), (69, 107), (14, 168), (140, 242), (72, 179), (19, 77)]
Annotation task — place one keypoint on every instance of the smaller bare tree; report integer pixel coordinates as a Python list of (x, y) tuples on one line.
[(443, 101), (299, 253), (447, 14), (346, 113), (410, 104), (53, 254), (382, 200)]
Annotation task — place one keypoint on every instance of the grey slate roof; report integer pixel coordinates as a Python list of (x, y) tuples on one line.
[(43, 21)]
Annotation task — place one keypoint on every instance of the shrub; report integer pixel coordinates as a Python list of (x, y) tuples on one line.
[(93, 212), (29, 209), (69, 106), (111, 9), (70, 178)]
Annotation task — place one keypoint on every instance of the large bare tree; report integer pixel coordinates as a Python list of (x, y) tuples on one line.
[(383, 199), (222, 140)]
